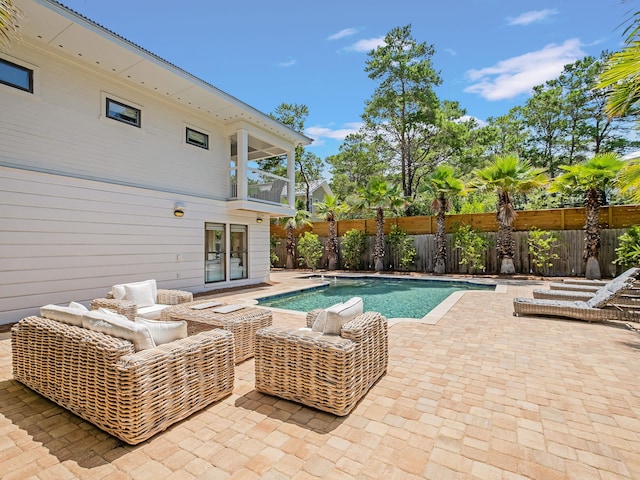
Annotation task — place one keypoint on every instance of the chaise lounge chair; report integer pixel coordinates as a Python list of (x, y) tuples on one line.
[(629, 295), (602, 306), (582, 285)]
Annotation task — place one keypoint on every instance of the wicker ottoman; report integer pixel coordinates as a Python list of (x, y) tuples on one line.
[(242, 323)]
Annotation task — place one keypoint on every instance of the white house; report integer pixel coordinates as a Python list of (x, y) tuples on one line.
[(318, 191), (117, 166)]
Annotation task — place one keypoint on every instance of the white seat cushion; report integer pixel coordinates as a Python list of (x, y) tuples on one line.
[(119, 326), (340, 314), (164, 332), (72, 314), (151, 312)]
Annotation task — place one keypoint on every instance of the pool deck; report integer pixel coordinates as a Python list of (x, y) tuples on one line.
[(475, 394)]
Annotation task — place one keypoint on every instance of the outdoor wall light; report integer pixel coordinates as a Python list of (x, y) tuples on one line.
[(178, 210), (259, 220)]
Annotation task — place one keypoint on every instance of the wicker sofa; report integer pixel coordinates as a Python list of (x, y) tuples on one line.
[(328, 372), (129, 394), (128, 299)]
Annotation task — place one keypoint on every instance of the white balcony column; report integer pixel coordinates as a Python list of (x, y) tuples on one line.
[(291, 174), (242, 164)]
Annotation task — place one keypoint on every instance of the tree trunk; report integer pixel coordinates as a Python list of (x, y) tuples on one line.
[(378, 251), (505, 243), (291, 248), (441, 246), (592, 234), (332, 244)]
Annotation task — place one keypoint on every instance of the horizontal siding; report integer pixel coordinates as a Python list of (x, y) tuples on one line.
[(61, 130), (64, 239)]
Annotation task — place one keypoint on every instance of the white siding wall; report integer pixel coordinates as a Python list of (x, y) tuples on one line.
[(65, 239), (70, 236), (61, 129)]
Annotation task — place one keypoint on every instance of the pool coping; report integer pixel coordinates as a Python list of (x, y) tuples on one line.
[(430, 318)]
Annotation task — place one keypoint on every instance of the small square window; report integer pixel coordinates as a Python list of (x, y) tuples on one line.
[(199, 139), (124, 113), (16, 76)]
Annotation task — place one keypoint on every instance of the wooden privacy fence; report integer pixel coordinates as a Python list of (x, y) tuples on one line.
[(565, 223)]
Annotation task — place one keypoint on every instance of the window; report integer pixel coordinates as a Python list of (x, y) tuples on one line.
[(124, 113), (239, 251), (16, 76), (199, 139)]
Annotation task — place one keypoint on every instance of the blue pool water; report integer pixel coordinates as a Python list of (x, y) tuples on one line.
[(392, 297)]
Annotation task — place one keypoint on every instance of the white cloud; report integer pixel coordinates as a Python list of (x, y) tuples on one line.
[(450, 51), (347, 32), (319, 133), (366, 45), (514, 76), (532, 17), (288, 63)]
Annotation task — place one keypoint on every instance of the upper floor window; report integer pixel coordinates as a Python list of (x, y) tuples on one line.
[(199, 139), (16, 76), (124, 113)]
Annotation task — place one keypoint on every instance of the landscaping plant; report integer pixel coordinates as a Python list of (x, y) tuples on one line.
[(541, 247), (354, 243), (401, 247), (628, 253), (472, 246), (310, 249)]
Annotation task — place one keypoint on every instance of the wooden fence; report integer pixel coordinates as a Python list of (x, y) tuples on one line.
[(566, 223)]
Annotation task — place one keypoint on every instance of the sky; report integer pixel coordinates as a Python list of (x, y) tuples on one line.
[(489, 53)]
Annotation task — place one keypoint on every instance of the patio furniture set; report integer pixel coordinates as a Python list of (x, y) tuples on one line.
[(589, 300), (142, 358)]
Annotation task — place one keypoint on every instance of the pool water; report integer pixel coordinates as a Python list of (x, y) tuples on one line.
[(401, 298)]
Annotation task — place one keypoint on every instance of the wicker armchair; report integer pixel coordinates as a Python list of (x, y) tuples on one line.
[(328, 372), (131, 395), (130, 309)]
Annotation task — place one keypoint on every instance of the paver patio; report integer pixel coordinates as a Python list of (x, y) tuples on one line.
[(480, 394)]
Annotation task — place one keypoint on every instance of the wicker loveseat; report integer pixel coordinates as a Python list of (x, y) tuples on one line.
[(140, 299), (327, 372), (129, 394)]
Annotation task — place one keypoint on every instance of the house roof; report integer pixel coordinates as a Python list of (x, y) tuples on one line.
[(314, 185), (52, 23)]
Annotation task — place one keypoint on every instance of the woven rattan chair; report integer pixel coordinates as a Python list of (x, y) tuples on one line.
[(606, 304), (328, 372), (131, 395)]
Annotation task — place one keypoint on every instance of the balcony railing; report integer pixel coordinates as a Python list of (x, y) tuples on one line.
[(262, 186)]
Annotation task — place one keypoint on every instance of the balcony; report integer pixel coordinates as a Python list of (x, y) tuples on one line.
[(264, 192)]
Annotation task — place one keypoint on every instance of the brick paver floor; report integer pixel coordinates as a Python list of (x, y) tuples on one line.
[(480, 395)]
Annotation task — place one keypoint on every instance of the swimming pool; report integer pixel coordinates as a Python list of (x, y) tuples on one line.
[(394, 298)]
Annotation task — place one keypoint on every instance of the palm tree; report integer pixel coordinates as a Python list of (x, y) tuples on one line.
[(506, 176), (621, 74), (379, 195), (9, 17), (330, 209), (442, 184), (592, 177), (299, 220)]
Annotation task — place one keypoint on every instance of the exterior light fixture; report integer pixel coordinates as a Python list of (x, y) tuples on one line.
[(259, 220), (178, 210)]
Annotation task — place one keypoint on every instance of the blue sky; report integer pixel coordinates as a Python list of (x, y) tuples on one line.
[(489, 52)]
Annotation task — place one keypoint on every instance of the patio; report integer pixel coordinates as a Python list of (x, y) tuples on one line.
[(479, 394)]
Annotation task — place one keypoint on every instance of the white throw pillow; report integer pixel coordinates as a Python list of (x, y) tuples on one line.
[(340, 314), (119, 326), (140, 294), (119, 293), (70, 315), (164, 332), (78, 305)]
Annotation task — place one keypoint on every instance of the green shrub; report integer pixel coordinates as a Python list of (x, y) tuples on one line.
[(401, 248), (273, 257), (542, 248), (472, 246), (628, 253), (310, 249), (354, 243)]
